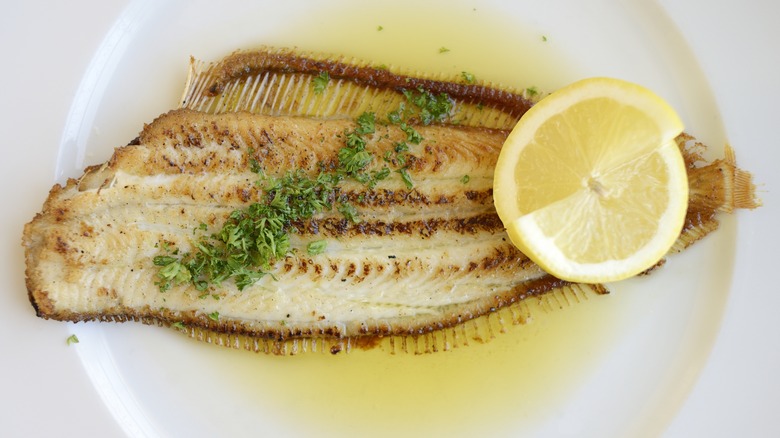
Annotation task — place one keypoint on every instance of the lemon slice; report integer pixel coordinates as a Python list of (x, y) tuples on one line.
[(590, 183)]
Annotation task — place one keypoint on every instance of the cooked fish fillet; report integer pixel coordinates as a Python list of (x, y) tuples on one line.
[(432, 255), (418, 260)]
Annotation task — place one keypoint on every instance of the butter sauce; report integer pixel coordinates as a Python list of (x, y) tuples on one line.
[(521, 375)]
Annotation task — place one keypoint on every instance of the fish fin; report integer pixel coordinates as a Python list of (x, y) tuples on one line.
[(432, 339), (719, 185), (715, 187), (275, 81), (744, 189)]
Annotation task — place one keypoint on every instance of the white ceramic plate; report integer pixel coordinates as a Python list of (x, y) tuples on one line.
[(84, 78)]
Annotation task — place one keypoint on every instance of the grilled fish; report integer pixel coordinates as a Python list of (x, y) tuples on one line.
[(421, 252)]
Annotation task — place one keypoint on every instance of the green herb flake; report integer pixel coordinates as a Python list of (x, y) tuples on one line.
[(406, 178), (531, 91), (366, 123), (412, 136), (178, 325), (397, 116), (172, 272), (544, 38), (425, 106), (468, 77), (379, 175), (214, 316), (320, 82), (72, 339), (379, 28), (350, 212), (254, 165), (465, 179), (316, 247), (355, 141), (353, 159), (443, 49)]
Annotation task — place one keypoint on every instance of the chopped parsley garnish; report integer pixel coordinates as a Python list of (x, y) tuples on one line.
[(465, 179), (366, 123), (320, 82), (443, 49), (254, 165), (72, 339), (379, 28), (544, 38), (531, 91), (354, 158), (401, 147), (295, 196), (378, 175), (397, 116), (214, 316), (316, 247), (430, 107), (172, 271), (401, 151), (468, 77), (178, 325), (406, 178), (412, 136), (254, 237), (349, 212)]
